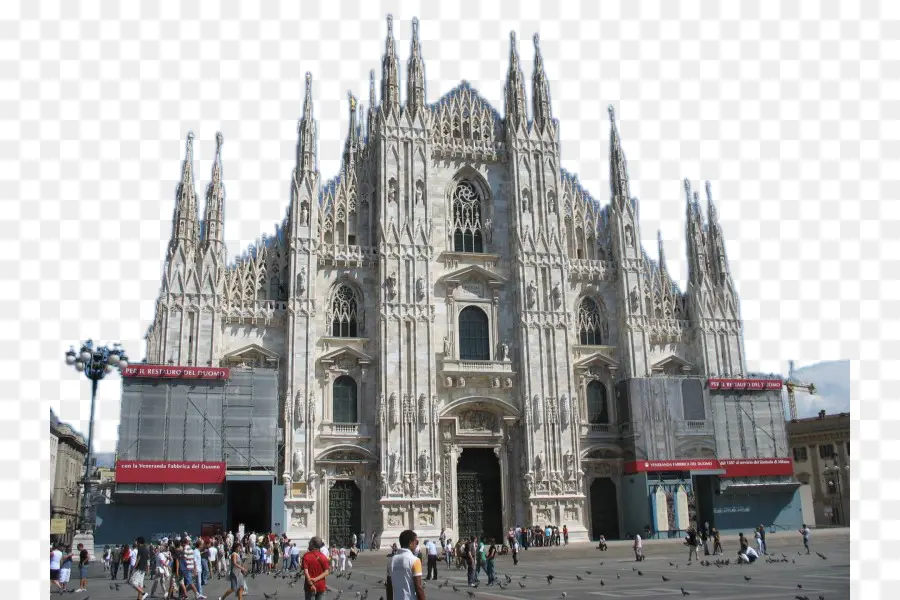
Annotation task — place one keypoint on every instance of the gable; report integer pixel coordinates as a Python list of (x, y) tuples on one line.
[(672, 363)]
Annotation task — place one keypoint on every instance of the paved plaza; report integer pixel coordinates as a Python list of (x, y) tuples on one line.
[(607, 574)]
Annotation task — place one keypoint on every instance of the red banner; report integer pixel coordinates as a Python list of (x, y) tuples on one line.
[(170, 372), (167, 471), (733, 467), (744, 384)]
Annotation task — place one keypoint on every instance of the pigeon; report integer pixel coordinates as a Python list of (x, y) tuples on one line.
[(502, 587), (588, 572), (634, 568), (684, 592), (471, 594), (601, 582), (618, 576), (822, 556), (641, 573), (112, 587), (350, 587), (802, 597), (508, 579), (799, 587), (746, 578), (671, 564), (564, 595), (549, 579), (664, 578), (270, 596), (821, 597), (521, 585), (455, 589), (117, 587)]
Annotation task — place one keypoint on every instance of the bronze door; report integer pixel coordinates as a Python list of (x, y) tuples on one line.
[(344, 513), (479, 496), (604, 509)]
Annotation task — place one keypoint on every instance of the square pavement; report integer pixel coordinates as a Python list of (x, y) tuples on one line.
[(613, 574)]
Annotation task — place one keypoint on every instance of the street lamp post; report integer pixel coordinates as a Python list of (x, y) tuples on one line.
[(836, 474), (95, 363)]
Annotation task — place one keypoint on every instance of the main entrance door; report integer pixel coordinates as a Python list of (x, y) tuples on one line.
[(479, 494), (604, 509), (344, 513)]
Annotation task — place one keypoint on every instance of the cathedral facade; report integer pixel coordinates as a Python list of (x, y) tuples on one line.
[(457, 324)]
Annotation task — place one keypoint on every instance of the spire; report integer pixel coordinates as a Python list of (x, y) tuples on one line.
[(352, 143), (540, 90), (186, 224), (662, 251), (515, 87), (716, 239), (695, 250), (618, 170), (214, 221), (390, 77), (306, 149), (373, 109), (710, 207), (415, 73)]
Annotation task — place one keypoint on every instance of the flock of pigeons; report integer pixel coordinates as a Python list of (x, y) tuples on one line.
[(506, 581)]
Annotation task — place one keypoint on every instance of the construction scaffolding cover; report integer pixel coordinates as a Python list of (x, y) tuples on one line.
[(201, 422)]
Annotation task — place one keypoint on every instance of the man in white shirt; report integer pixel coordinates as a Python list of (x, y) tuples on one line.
[(638, 547), (55, 560), (431, 549), (404, 571), (750, 555)]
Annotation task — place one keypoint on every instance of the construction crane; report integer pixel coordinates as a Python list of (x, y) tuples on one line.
[(792, 384)]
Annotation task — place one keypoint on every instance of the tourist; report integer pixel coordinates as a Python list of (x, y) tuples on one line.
[(638, 547), (404, 571), (315, 569), (163, 570), (515, 552), (198, 567), (448, 552), (65, 569), (489, 562), (106, 558), (602, 543), (55, 562), (236, 574), (142, 563), (717, 542), (432, 552), (748, 556), (704, 538), (115, 558), (757, 537), (565, 532), (83, 560), (692, 543), (804, 531), (762, 537), (126, 562), (295, 556), (342, 559)]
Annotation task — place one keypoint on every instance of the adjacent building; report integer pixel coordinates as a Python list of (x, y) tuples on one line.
[(71, 448), (821, 452), (459, 336)]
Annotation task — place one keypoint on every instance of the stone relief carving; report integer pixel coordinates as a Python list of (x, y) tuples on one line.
[(629, 236), (543, 515), (489, 230), (537, 407), (299, 519), (395, 469), (532, 294), (392, 190), (461, 382), (447, 350), (409, 486), (633, 299), (304, 216), (409, 411), (420, 288), (503, 351), (311, 407), (395, 519), (426, 518), (571, 513), (569, 464), (419, 192), (539, 465), (383, 484), (476, 420)]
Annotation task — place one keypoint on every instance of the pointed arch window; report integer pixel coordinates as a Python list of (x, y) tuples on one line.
[(343, 400), (344, 313), (467, 235), (474, 339), (590, 323), (597, 406)]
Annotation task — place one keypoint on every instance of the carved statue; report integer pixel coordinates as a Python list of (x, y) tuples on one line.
[(382, 410), (564, 410), (556, 294), (424, 466), (395, 467), (392, 191), (311, 407), (420, 288), (446, 347), (629, 238), (502, 351), (408, 487), (419, 193), (300, 407), (395, 410), (304, 216), (423, 408), (538, 408), (539, 465), (532, 294), (489, 229), (301, 281), (476, 420), (633, 299), (383, 484), (298, 464), (448, 381), (391, 283), (569, 464)]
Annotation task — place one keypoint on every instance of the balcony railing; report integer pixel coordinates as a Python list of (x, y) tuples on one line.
[(344, 429), (477, 366)]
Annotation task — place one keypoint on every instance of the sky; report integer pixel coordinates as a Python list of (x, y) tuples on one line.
[(681, 112)]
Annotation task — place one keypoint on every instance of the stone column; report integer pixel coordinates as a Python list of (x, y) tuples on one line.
[(502, 457)]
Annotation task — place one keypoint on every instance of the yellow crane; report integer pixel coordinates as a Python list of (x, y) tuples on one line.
[(792, 384)]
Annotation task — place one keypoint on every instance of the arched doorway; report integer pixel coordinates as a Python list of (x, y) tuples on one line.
[(344, 513), (604, 509), (479, 495)]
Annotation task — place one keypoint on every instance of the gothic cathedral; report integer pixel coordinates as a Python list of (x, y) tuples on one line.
[(453, 318)]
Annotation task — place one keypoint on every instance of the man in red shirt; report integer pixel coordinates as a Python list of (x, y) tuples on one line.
[(315, 569)]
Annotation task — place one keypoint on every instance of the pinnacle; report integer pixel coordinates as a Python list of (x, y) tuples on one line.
[(612, 113)]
